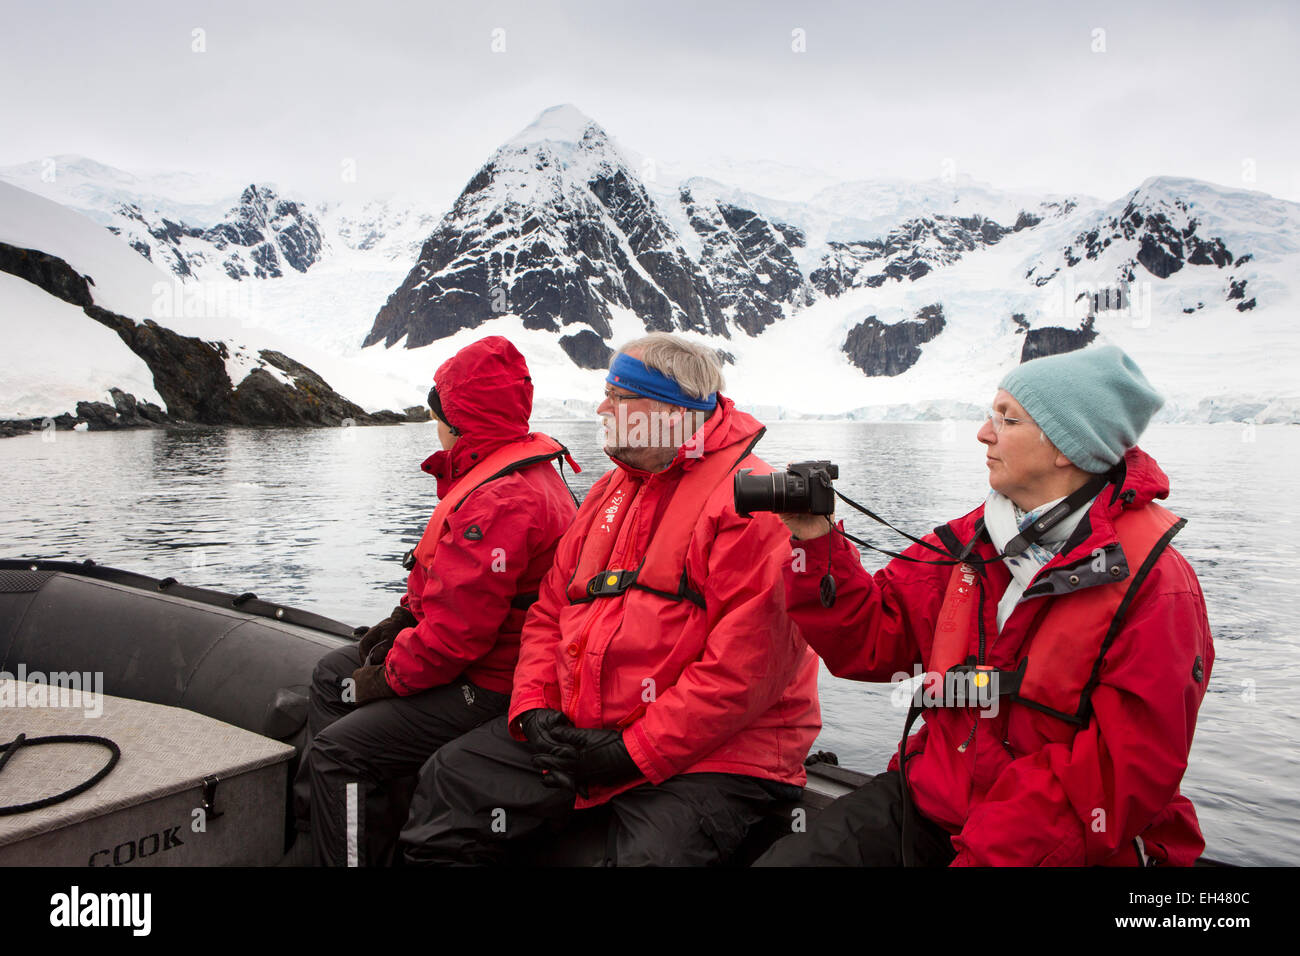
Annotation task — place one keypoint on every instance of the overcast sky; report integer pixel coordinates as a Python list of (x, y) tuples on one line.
[(1080, 97)]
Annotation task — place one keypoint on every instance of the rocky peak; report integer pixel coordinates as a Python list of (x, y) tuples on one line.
[(1155, 227), (910, 250), (556, 229), (748, 261), (275, 232)]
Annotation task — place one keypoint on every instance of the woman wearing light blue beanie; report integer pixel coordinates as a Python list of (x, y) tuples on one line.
[(1066, 645), (1092, 404)]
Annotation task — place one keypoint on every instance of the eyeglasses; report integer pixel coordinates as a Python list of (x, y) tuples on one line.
[(999, 420), (619, 397)]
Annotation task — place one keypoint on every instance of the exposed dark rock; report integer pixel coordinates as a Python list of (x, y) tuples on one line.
[(794, 237), (1246, 306), (880, 349), (259, 236), (1043, 280), (1160, 259), (49, 272), (99, 415), (748, 261), (189, 373), (1022, 324), (129, 407), (262, 399), (1236, 289), (1053, 340), (386, 416), (1026, 220), (125, 412), (587, 349), (910, 251), (559, 260), (1164, 246)]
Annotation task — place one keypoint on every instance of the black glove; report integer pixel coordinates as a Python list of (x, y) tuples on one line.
[(370, 683), (590, 757), (538, 725), (384, 633)]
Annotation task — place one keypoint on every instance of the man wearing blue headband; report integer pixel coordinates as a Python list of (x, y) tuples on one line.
[(660, 677)]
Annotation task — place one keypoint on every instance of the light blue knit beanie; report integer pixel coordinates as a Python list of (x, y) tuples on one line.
[(1092, 404)]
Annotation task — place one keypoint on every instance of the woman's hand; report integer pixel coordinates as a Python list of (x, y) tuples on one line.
[(803, 527)]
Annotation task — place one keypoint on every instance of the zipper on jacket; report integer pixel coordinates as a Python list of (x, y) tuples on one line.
[(581, 648), (1006, 743), (961, 747)]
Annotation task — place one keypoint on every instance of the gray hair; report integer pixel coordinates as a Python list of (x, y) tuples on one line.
[(694, 367)]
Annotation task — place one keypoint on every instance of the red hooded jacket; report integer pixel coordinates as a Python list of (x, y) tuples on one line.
[(1025, 787), (497, 545), (729, 688)]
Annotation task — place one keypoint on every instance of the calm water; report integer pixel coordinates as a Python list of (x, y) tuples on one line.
[(319, 519)]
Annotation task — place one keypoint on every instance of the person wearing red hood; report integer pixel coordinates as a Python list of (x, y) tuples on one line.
[(442, 662), (659, 672), (1065, 645)]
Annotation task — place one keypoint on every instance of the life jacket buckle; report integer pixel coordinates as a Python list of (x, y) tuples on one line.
[(611, 582), (978, 685)]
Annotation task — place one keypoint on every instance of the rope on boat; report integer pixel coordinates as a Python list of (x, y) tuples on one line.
[(22, 740)]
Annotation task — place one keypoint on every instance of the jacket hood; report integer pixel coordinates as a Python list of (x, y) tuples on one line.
[(487, 395), (1143, 477)]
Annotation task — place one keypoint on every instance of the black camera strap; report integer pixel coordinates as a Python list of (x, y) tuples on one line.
[(1031, 535)]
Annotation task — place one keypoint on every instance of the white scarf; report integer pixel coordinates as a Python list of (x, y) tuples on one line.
[(1004, 521)]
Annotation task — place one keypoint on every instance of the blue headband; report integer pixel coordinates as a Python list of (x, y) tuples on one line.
[(633, 375)]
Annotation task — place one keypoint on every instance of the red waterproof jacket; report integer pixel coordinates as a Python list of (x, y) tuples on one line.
[(1025, 787), (730, 687), (497, 545)]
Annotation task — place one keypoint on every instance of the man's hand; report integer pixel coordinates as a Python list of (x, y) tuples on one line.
[(538, 725), (803, 527), (591, 756), (369, 683), (379, 639)]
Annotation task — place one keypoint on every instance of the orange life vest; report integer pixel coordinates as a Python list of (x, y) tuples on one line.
[(506, 459), (1060, 662)]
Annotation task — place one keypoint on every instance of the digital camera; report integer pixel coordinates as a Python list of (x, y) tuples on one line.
[(805, 489)]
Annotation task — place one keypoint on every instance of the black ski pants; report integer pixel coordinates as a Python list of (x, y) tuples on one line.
[(355, 776), (863, 828), (480, 796)]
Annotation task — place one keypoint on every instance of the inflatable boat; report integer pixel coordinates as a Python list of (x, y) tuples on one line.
[(172, 719)]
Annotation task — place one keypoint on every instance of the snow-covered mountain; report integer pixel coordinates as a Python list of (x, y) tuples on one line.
[(877, 299), (95, 189), (556, 229), (82, 314), (263, 237)]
